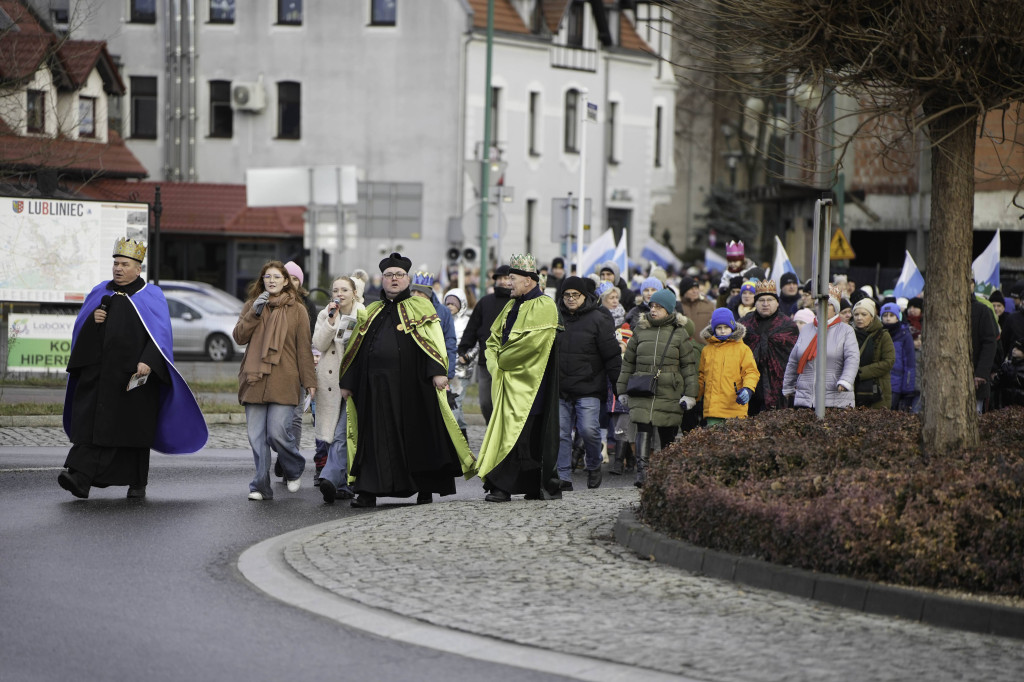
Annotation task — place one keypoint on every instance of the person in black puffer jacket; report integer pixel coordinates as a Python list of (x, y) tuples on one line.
[(588, 358), (478, 330)]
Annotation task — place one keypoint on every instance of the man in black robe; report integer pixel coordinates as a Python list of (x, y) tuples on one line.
[(394, 369), (124, 332)]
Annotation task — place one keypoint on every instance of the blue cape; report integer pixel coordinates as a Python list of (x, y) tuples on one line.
[(181, 428)]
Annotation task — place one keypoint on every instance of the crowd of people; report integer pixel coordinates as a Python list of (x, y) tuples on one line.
[(571, 370)]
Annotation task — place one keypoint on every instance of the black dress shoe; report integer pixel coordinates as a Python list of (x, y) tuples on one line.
[(565, 485), (136, 492), (424, 498), (533, 496), (70, 482), (594, 478), (328, 490), (345, 493), (364, 501), (498, 495)]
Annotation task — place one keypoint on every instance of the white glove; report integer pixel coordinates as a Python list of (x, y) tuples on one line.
[(724, 284), (687, 402), (261, 300)]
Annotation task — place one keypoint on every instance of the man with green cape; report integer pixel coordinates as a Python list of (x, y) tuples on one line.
[(402, 437), (520, 449)]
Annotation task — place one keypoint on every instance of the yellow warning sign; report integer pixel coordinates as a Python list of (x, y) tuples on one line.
[(840, 248)]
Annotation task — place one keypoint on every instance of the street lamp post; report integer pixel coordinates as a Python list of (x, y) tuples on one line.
[(154, 247)]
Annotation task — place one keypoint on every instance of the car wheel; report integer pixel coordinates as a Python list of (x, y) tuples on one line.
[(218, 348)]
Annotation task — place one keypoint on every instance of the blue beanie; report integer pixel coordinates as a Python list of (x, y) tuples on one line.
[(891, 308), (721, 316), (651, 283), (666, 299)]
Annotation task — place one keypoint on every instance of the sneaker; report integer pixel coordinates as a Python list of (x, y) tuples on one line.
[(328, 490), (293, 486), (255, 496)]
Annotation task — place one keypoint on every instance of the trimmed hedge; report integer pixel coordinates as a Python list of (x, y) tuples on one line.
[(852, 495)]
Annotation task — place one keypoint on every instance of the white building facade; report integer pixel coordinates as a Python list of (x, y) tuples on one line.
[(396, 88)]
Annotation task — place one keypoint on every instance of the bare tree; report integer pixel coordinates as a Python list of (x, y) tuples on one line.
[(936, 68)]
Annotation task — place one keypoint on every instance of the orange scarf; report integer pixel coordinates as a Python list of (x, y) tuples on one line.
[(811, 351)]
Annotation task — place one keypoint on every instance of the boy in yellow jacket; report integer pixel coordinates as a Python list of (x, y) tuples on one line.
[(728, 374)]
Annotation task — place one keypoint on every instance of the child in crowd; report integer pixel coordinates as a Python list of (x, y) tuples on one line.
[(728, 374)]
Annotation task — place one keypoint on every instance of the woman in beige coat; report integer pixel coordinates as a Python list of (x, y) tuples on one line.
[(334, 326), (277, 369)]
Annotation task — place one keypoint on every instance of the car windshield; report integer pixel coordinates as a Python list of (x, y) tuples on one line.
[(207, 304)]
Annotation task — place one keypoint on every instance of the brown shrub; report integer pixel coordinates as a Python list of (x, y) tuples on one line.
[(851, 495)]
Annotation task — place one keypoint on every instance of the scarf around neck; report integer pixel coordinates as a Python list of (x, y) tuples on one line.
[(811, 351), (267, 339)]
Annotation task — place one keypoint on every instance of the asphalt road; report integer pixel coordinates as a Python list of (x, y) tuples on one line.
[(117, 589)]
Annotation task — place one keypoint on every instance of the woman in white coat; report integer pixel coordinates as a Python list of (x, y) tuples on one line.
[(843, 361), (334, 326)]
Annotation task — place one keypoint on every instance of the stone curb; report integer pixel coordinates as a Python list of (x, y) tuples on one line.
[(859, 595), (9, 421)]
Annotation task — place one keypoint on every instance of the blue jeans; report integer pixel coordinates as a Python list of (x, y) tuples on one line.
[(270, 429), (336, 468), (585, 415)]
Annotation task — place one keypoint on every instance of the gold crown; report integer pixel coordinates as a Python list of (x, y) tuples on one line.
[(523, 261), (130, 248), (765, 286)]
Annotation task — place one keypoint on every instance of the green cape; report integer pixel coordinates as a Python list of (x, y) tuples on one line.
[(516, 374), (419, 319)]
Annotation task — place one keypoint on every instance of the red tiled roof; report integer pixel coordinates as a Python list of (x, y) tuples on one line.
[(506, 18), (80, 157), (203, 208), (78, 59), (554, 10), (628, 37), (23, 49)]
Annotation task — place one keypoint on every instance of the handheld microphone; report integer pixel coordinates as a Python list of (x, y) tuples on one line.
[(104, 302), (336, 302)]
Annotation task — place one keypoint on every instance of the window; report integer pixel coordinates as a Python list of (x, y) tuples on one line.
[(222, 11), (495, 120), (289, 110), (610, 141), (143, 11), (531, 221), (531, 132), (289, 12), (143, 107), (383, 12), (572, 119), (35, 112), (576, 23), (657, 137), (222, 119), (87, 117)]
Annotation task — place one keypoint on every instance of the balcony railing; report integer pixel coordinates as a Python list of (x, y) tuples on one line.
[(576, 58)]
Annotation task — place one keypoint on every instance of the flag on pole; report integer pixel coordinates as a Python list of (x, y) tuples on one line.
[(713, 261), (911, 281), (781, 265), (660, 255), (620, 257), (598, 251), (986, 266)]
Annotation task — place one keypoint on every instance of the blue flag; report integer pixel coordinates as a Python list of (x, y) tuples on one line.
[(911, 281)]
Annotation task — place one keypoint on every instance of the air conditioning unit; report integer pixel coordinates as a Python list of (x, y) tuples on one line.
[(248, 97)]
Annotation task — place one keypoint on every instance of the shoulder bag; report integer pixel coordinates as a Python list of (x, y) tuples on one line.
[(646, 385)]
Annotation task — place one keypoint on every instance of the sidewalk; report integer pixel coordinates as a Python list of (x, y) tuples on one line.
[(543, 585)]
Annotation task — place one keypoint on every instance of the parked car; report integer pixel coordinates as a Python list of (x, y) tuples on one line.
[(203, 288), (203, 324)]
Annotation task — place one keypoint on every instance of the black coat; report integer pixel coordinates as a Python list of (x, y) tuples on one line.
[(478, 329), (588, 353), (984, 333)]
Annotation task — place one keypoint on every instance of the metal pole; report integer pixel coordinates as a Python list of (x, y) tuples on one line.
[(154, 251), (313, 266), (485, 180), (567, 235), (583, 176), (820, 263)]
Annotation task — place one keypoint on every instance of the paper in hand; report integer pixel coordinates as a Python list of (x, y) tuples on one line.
[(309, 401), (137, 380)]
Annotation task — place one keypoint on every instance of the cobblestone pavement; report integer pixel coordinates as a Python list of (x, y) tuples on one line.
[(549, 575)]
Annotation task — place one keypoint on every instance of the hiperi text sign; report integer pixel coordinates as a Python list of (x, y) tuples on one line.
[(39, 343)]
